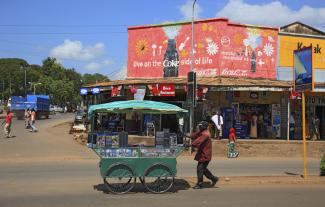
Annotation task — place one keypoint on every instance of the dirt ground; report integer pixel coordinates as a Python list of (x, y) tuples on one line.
[(253, 147)]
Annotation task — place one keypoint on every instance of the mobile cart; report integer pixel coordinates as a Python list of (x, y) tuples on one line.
[(121, 164)]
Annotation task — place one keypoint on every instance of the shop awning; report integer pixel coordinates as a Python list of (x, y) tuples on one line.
[(146, 107)]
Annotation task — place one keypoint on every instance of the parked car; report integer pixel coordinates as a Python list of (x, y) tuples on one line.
[(79, 116), (54, 108)]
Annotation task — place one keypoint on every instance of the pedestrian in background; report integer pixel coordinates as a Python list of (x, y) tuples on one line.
[(204, 154), (292, 123), (27, 118), (33, 120), (8, 122), (218, 121), (316, 123), (232, 152)]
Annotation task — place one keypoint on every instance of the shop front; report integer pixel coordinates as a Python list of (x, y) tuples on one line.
[(315, 116), (253, 114)]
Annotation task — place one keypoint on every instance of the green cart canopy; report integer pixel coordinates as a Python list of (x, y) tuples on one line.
[(146, 107)]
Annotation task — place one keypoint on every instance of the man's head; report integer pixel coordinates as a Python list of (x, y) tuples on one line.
[(203, 125)]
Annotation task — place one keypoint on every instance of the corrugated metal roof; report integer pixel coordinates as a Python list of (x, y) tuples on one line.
[(204, 81)]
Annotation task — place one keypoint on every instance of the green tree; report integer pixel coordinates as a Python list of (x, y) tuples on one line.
[(88, 79)]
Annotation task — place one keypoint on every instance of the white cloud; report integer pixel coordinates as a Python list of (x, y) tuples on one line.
[(274, 13), (95, 66), (187, 9), (74, 50)]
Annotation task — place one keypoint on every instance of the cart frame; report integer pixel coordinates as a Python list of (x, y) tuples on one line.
[(157, 174)]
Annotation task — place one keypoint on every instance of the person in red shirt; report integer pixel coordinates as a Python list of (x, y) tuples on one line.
[(204, 154), (232, 153), (8, 122)]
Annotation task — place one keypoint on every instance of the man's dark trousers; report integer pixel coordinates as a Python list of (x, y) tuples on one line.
[(203, 170)]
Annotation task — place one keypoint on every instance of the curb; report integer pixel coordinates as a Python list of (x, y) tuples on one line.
[(264, 180)]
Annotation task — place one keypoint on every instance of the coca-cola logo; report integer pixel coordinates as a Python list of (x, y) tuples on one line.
[(237, 72)]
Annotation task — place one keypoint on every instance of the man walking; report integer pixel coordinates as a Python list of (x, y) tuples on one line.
[(204, 154), (8, 121)]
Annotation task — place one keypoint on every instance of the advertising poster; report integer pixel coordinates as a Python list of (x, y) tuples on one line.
[(220, 48), (303, 69)]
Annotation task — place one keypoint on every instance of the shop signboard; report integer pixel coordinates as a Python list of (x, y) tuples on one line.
[(83, 91), (95, 91), (166, 89), (303, 69), (140, 93), (220, 48), (315, 100), (289, 43)]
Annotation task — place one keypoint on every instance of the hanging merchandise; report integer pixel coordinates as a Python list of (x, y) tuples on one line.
[(276, 120), (295, 95), (153, 90), (116, 91), (133, 89)]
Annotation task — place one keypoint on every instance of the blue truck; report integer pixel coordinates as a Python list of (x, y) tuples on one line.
[(41, 104)]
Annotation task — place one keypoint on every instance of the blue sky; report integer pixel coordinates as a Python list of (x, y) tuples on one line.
[(91, 35)]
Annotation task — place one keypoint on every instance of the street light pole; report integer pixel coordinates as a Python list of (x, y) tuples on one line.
[(25, 81), (3, 91), (191, 70), (35, 86), (192, 49)]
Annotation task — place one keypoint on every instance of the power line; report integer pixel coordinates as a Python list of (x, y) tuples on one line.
[(58, 25), (59, 33)]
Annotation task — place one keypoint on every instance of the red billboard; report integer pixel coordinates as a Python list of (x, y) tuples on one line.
[(220, 48)]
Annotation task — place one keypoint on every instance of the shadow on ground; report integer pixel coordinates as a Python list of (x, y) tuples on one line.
[(179, 184)]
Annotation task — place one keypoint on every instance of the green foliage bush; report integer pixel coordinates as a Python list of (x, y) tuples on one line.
[(322, 166)]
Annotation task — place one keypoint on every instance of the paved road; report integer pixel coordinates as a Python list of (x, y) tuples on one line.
[(79, 192)]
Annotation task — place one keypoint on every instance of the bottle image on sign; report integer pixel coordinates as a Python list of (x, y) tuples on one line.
[(253, 62), (171, 60)]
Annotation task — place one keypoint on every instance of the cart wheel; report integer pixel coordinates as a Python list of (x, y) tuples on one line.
[(158, 178), (119, 178)]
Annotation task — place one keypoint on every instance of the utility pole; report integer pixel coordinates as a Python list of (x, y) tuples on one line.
[(25, 80), (192, 62), (192, 76), (3, 91)]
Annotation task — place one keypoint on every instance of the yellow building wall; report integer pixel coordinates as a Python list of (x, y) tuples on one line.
[(290, 43)]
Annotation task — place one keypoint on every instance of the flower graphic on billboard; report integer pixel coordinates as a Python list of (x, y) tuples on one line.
[(212, 48), (141, 47), (268, 49)]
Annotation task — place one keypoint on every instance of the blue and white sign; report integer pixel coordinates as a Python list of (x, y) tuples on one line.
[(83, 91), (303, 69), (95, 90)]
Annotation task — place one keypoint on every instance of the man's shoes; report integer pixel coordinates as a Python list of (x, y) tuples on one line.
[(214, 181), (197, 186)]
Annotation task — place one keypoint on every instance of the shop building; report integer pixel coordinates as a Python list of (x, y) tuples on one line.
[(239, 72), (238, 99), (296, 36)]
